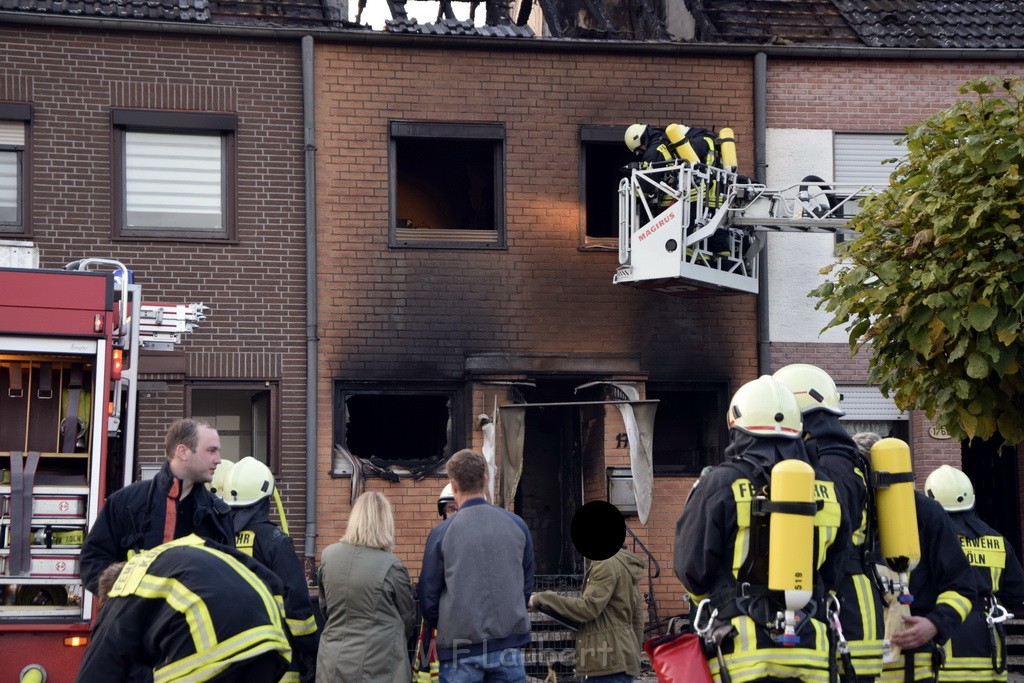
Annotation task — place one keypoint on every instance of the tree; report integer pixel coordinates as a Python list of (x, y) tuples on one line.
[(934, 283)]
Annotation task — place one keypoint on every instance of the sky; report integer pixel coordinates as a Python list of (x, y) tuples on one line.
[(377, 12)]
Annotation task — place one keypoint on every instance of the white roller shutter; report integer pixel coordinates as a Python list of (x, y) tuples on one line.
[(12, 140), (866, 403), (859, 156)]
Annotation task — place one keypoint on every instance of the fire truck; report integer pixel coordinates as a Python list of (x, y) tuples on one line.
[(69, 353), (669, 211)]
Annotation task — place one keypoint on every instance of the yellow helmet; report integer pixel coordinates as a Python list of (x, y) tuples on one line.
[(951, 487), (635, 135), (248, 482), (765, 407), (217, 485), (812, 386)]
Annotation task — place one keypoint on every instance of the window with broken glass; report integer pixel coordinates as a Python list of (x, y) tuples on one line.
[(14, 166), (602, 158), (447, 185), (173, 174), (689, 432), (408, 427)]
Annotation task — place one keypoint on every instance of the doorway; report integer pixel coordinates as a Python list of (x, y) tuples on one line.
[(992, 467), (551, 488)]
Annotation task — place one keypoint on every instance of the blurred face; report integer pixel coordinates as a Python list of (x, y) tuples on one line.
[(199, 465), (450, 509)]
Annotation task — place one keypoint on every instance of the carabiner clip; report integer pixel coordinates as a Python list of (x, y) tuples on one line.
[(997, 614), (703, 631)]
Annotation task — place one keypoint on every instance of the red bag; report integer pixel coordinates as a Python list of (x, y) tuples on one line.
[(678, 658)]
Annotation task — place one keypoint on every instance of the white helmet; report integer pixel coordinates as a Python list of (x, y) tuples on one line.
[(248, 482), (812, 386), (951, 487), (635, 135), (217, 485), (765, 407), (447, 496)]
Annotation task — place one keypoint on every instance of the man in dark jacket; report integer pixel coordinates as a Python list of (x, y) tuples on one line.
[(175, 503), (480, 615), (247, 489), (828, 443), (976, 652), (188, 610)]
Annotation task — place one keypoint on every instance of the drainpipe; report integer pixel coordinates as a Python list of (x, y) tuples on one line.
[(764, 360), (309, 141)]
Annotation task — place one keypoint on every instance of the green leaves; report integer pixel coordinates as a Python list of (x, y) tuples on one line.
[(933, 287)]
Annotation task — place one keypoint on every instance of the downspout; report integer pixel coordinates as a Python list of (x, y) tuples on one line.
[(764, 349), (309, 145)]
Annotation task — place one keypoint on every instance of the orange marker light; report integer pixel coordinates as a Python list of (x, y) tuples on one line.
[(118, 363), (76, 641), (97, 323)]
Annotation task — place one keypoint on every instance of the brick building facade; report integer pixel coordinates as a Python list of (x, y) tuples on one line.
[(81, 84)]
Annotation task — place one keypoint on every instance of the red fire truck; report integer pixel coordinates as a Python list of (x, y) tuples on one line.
[(69, 347)]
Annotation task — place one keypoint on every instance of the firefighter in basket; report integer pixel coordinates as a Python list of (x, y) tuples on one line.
[(760, 546)]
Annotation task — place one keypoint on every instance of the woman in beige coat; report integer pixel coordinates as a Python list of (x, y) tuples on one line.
[(366, 599)]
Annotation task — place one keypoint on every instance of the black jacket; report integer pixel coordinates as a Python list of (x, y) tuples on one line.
[(189, 609), (132, 519), (271, 547)]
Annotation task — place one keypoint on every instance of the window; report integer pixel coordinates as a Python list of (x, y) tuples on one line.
[(867, 410), (859, 158), (244, 416), (447, 185), (174, 174), (409, 426), (689, 432), (14, 167), (602, 155)]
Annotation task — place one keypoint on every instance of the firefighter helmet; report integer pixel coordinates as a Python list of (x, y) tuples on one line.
[(812, 386), (446, 498), (951, 487), (217, 485), (635, 135), (765, 407), (248, 482)]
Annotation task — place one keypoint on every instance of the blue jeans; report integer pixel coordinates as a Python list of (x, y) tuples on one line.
[(610, 678), (503, 666)]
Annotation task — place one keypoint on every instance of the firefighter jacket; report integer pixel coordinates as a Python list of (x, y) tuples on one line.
[(860, 601), (657, 148), (261, 539), (720, 553), (977, 650), (189, 610), (132, 519), (611, 612), (943, 587)]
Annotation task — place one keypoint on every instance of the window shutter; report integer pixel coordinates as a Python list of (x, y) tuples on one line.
[(866, 403), (174, 181), (12, 134), (858, 158)]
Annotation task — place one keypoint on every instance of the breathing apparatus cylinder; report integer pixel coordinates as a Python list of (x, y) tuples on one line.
[(791, 535), (894, 504), (680, 145), (727, 149)]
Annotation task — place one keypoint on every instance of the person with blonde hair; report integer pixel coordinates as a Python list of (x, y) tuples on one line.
[(367, 602)]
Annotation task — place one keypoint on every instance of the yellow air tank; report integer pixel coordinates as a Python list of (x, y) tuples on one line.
[(727, 149), (791, 535), (680, 145), (894, 504)]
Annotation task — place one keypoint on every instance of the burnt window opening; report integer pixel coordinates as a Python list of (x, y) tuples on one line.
[(447, 185), (603, 154), (689, 432), (404, 429)]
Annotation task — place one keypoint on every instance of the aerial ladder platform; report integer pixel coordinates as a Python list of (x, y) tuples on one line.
[(668, 213)]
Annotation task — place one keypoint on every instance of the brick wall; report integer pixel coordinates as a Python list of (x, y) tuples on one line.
[(254, 285), (418, 313)]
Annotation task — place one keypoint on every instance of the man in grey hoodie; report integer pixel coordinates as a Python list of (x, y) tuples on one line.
[(476, 580)]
